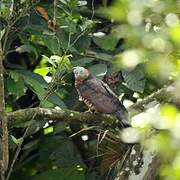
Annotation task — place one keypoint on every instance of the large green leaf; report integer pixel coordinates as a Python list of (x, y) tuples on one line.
[(39, 86), (55, 99), (135, 79), (107, 42), (66, 155), (104, 56), (52, 42), (16, 88), (42, 71), (82, 44), (60, 151), (35, 81), (98, 70), (82, 61)]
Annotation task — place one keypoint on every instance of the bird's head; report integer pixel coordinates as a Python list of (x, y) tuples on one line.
[(80, 73)]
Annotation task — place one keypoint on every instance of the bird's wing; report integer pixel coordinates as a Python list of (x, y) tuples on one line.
[(100, 87), (108, 90)]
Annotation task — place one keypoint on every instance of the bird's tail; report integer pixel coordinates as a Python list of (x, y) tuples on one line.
[(123, 117)]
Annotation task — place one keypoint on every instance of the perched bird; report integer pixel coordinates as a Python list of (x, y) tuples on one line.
[(98, 96)]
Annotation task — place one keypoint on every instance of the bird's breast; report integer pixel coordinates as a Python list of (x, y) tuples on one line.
[(99, 101)]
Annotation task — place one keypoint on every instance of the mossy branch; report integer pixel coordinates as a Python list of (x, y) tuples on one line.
[(164, 95)]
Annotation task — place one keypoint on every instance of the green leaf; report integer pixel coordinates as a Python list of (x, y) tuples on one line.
[(82, 3), (59, 127), (69, 24), (5, 10), (82, 61), (69, 158), (63, 63), (39, 86), (107, 42), (36, 82), (86, 24), (174, 32), (104, 56), (55, 99), (14, 75), (83, 43), (2, 33), (49, 60), (27, 48), (135, 79), (30, 144), (42, 71), (53, 43), (60, 150), (48, 130), (56, 59), (17, 141), (120, 88), (16, 88), (98, 70)]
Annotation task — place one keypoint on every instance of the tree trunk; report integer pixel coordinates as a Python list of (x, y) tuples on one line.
[(3, 122)]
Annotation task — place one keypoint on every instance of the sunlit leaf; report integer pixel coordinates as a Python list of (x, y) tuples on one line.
[(2, 33), (82, 3), (42, 71), (49, 60), (48, 130), (175, 35), (117, 11), (16, 141), (168, 111)]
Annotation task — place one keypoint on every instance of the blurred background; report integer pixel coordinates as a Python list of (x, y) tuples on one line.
[(133, 46)]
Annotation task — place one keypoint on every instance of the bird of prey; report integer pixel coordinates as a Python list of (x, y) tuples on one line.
[(98, 96)]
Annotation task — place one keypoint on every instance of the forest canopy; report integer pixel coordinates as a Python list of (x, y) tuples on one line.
[(45, 131)]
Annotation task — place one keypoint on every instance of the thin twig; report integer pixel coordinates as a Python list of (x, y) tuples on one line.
[(93, 11)]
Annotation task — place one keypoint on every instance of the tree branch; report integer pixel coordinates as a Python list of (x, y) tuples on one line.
[(164, 95), (3, 120), (24, 115)]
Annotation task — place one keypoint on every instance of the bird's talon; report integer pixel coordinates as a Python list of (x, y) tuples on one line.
[(92, 111)]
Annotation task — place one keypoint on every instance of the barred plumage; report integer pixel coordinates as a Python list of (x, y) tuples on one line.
[(98, 96)]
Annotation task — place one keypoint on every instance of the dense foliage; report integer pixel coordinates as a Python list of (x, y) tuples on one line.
[(132, 45)]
